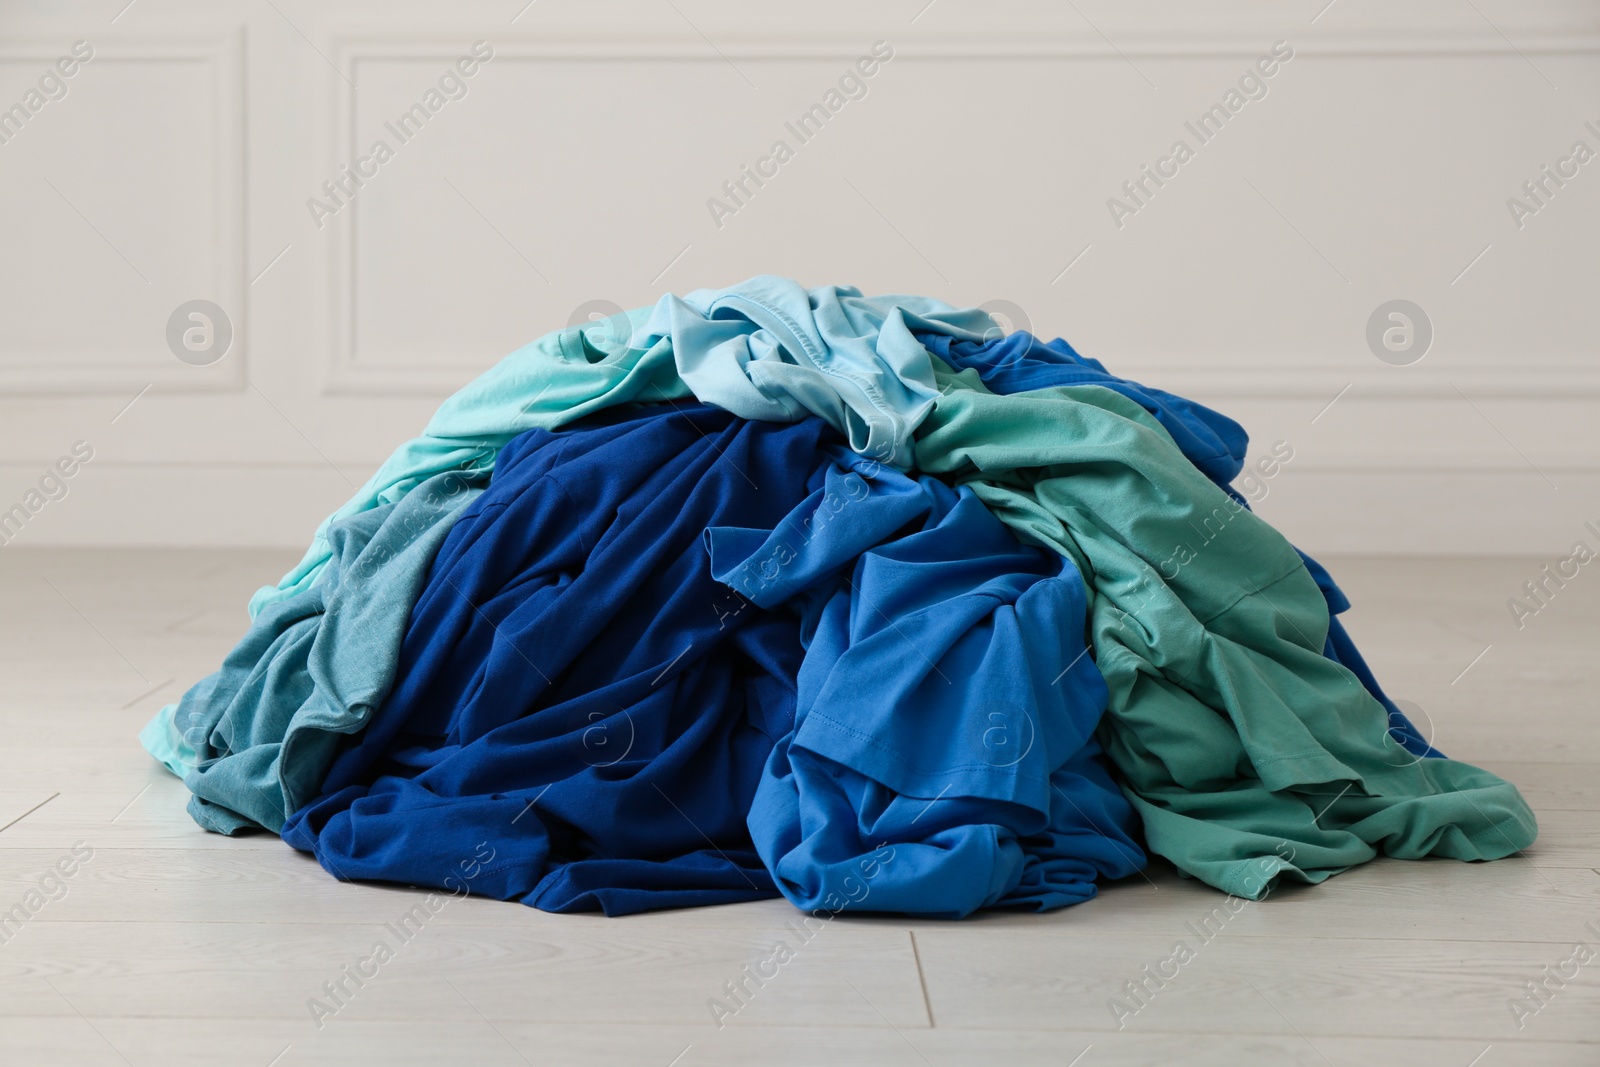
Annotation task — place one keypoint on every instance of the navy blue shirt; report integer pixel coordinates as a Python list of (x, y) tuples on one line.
[(577, 696)]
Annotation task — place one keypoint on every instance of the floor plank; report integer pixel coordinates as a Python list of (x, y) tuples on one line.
[(511, 1044), (1324, 986)]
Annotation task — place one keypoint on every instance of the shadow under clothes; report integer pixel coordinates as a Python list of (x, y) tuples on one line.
[(943, 757), (1215, 444), (576, 690)]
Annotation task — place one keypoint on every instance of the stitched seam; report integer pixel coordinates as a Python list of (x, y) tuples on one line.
[(1243, 596), (820, 361)]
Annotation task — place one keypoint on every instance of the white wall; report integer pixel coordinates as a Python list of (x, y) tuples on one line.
[(977, 167)]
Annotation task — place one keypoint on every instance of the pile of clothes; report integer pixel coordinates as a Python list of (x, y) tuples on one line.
[(857, 600)]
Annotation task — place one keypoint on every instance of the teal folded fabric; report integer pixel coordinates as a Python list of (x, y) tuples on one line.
[(1249, 754), (767, 348), (253, 741)]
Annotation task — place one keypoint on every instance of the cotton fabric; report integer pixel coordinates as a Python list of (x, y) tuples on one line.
[(253, 741), (1249, 755), (766, 348), (946, 706), (576, 690), (776, 589), (1020, 362)]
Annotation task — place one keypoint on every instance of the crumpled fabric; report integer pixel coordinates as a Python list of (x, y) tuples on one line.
[(1245, 760), (1249, 755), (766, 348), (577, 694), (253, 740), (1019, 362), (1215, 444), (943, 755)]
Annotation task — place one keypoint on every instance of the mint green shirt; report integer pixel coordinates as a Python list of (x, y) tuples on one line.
[(1248, 753)]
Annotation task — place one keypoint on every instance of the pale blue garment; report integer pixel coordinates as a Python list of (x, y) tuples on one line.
[(766, 348), (254, 740)]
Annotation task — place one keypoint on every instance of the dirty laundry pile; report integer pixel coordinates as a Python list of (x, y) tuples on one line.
[(856, 600)]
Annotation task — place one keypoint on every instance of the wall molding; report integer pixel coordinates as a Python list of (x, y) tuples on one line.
[(343, 374), (62, 373)]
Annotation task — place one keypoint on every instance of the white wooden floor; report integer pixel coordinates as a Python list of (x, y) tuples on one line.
[(172, 946)]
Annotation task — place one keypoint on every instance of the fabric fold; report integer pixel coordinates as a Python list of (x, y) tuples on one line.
[(1232, 733), (946, 706), (774, 589), (576, 691), (766, 348), (253, 741), (1214, 443)]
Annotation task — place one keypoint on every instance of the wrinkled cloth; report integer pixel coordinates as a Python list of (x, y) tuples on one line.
[(766, 348), (1020, 362), (946, 706), (1249, 755), (579, 675), (1341, 648), (577, 694), (253, 740)]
